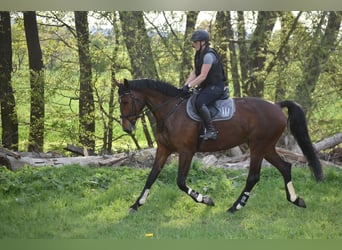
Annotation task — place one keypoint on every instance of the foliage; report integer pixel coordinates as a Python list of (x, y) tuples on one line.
[(108, 51), (82, 202)]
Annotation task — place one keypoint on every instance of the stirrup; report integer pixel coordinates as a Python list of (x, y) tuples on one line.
[(212, 135)]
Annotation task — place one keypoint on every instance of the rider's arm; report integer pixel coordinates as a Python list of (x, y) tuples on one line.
[(208, 60), (191, 77), (201, 77)]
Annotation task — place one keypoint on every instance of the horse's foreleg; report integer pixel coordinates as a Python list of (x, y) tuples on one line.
[(252, 179), (161, 156), (285, 169), (183, 170)]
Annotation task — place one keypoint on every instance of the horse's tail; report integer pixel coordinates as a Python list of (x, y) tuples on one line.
[(299, 129)]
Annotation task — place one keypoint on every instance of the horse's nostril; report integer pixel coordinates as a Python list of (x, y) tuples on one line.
[(127, 130), (130, 129)]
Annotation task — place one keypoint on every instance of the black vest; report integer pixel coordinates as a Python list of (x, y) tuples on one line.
[(216, 75)]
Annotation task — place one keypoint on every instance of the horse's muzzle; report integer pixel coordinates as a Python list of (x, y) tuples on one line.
[(129, 129)]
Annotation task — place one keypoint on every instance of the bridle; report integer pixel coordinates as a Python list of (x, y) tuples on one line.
[(134, 108), (137, 115)]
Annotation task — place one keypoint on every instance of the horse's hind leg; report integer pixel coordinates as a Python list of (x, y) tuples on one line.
[(252, 179), (285, 169)]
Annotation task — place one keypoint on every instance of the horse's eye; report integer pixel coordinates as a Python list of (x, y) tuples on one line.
[(121, 101)]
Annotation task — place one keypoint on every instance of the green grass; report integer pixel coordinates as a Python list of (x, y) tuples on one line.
[(81, 202)]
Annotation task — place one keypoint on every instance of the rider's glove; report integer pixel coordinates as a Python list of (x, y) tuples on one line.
[(186, 89)]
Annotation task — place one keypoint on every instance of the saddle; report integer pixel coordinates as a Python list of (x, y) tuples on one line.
[(222, 109)]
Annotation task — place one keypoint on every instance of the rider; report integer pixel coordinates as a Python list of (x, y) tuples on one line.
[(208, 77)]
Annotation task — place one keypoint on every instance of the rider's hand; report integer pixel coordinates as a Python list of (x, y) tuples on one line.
[(186, 89)]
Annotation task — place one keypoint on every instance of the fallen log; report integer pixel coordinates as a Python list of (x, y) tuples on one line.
[(4, 161), (92, 161), (9, 152), (79, 150), (329, 142), (291, 156), (113, 161), (141, 159)]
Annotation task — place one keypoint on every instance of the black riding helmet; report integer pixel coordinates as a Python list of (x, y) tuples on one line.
[(200, 35)]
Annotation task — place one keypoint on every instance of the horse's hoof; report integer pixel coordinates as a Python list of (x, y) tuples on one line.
[(208, 201), (231, 210), (132, 210), (299, 202)]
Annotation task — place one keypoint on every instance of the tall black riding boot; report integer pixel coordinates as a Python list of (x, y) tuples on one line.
[(210, 131)]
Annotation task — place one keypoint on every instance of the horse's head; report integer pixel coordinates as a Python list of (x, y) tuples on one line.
[(131, 106)]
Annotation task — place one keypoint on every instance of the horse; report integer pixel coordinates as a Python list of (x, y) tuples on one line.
[(257, 122)]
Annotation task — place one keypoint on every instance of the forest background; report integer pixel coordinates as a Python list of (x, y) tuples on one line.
[(58, 68)]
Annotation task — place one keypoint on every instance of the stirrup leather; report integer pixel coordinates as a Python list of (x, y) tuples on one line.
[(212, 135)]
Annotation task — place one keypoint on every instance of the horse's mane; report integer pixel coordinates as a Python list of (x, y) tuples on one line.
[(163, 87)]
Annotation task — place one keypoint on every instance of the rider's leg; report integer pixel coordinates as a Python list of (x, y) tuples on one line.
[(210, 131)]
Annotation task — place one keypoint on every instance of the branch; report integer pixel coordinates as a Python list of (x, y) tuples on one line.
[(170, 26), (282, 46), (162, 38), (71, 29)]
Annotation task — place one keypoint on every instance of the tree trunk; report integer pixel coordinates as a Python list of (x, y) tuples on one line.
[(9, 118), (257, 52), (317, 56), (138, 44), (37, 112), (86, 99), (109, 134), (222, 35), (113, 70), (139, 49), (224, 39), (242, 36), (233, 58), (288, 24), (187, 52)]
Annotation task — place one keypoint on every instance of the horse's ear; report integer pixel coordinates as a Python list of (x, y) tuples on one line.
[(125, 82)]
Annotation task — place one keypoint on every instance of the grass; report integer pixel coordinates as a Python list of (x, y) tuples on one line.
[(92, 203)]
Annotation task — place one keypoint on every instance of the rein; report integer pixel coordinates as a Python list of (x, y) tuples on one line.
[(161, 124), (146, 110), (167, 101)]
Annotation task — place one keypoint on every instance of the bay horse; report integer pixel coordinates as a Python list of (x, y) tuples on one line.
[(257, 122)]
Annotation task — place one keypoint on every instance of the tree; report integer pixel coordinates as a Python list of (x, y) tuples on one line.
[(9, 118), (224, 38), (316, 54), (140, 53), (187, 52), (86, 98), (115, 66), (138, 44), (289, 24), (242, 45), (106, 51), (257, 53), (262, 61), (37, 111)]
